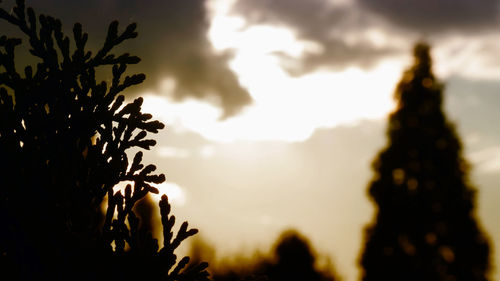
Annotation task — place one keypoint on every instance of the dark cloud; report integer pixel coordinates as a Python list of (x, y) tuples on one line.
[(172, 42), (318, 21), (432, 16)]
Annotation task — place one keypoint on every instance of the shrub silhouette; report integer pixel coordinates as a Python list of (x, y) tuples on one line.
[(63, 143), (292, 259), (295, 260), (425, 227)]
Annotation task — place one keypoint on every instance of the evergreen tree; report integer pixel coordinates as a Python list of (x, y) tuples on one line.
[(425, 227), (64, 139)]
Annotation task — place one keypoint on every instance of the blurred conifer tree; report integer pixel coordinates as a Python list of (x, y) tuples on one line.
[(64, 139), (425, 226)]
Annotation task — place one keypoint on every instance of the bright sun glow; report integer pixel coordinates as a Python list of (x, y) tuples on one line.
[(175, 193), (285, 108)]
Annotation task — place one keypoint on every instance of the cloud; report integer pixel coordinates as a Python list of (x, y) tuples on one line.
[(172, 43), (342, 32), (434, 16), (474, 57), (173, 152), (486, 160), (207, 151), (176, 194), (288, 109)]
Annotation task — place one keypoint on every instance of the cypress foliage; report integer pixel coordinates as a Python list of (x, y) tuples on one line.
[(425, 227), (64, 139)]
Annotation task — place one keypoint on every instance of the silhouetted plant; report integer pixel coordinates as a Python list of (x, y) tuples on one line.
[(63, 143), (292, 259), (295, 260), (425, 227)]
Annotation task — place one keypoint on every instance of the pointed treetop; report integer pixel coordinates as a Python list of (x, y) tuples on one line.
[(419, 85), (422, 58)]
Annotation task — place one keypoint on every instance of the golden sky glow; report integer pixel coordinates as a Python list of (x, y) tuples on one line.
[(292, 109), (175, 193), (320, 76), (285, 108), (288, 108)]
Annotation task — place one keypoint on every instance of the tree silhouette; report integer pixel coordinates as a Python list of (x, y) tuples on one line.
[(425, 227), (292, 259), (295, 260), (64, 139)]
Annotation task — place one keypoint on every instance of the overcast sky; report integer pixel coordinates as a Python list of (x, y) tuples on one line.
[(275, 108)]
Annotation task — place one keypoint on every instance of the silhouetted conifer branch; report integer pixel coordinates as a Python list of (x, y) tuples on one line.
[(65, 137)]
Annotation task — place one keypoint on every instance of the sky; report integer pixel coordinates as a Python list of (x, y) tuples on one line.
[(274, 109)]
